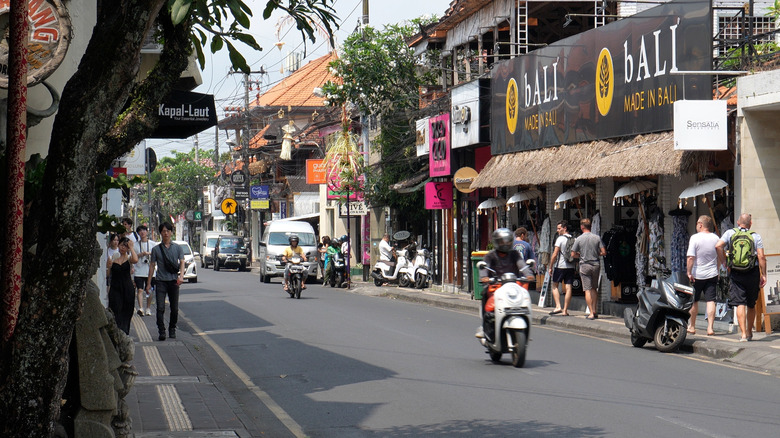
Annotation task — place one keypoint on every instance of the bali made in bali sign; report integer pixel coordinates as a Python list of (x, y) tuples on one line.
[(48, 39), (616, 80)]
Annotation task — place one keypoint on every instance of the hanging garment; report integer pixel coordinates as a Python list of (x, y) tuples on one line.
[(679, 246), (726, 224), (543, 252), (656, 257), (621, 253), (640, 262), (595, 224)]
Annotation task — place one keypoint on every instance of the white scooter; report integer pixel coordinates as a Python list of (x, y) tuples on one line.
[(420, 266), (507, 312), (387, 272)]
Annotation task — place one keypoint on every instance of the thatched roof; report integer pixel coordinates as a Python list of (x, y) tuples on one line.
[(650, 154)]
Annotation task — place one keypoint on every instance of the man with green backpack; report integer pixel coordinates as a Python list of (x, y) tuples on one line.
[(743, 251)]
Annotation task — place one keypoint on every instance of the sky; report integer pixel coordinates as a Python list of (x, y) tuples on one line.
[(228, 89)]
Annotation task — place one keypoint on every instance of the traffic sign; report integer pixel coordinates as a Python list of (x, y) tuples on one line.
[(198, 215), (228, 206), (189, 215)]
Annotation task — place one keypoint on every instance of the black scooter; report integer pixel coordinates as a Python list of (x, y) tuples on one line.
[(338, 275), (661, 315)]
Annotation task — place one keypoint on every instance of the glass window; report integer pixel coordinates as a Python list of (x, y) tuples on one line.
[(304, 239), (231, 242), (185, 248)]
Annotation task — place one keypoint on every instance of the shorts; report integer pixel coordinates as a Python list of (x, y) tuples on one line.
[(563, 275), (140, 282), (709, 286), (589, 276), (744, 287)]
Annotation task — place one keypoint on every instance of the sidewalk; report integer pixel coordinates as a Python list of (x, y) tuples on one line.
[(184, 387), (762, 354)]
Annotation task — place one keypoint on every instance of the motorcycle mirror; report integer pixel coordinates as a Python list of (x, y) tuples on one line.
[(481, 265), (530, 262)]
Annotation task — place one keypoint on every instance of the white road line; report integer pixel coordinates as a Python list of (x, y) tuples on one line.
[(692, 427), (264, 397)]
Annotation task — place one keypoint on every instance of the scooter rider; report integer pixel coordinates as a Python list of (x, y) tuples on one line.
[(502, 259), (386, 252), (289, 252)]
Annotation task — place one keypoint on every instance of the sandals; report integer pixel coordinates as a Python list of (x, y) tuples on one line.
[(555, 312)]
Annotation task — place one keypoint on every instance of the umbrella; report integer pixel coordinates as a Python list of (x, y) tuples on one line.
[(576, 192), (525, 195), (491, 203), (702, 188), (633, 188)]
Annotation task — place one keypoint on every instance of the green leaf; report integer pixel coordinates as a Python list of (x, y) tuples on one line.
[(199, 53), (216, 43), (180, 10), (237, 59), (247, 39)]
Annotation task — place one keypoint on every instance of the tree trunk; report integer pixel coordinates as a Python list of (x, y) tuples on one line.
[(61, 252)]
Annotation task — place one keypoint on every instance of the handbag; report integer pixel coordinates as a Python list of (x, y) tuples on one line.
[(170, 266)]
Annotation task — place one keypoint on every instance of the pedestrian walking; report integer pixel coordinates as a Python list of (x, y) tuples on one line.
[(322, 248), (142, 273), (702, 268), (743, 251), (588, 247), (122, 292), (113, 248), (129, 233), (522, 245), (561, 269), (168, 258)]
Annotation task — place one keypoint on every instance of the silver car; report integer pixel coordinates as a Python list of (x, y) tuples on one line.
[(190, 271)]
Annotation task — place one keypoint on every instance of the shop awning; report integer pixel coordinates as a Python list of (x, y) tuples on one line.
[(416, 182), (650, 154)]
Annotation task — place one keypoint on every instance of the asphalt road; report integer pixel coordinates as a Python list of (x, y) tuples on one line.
[(340, 364)]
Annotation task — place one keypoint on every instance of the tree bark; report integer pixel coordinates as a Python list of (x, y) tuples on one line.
[(62, 254)]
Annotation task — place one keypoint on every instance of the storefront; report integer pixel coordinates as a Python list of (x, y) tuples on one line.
[(587, 116)]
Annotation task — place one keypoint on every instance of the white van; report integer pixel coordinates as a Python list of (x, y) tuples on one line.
[(276, 238), (207, 241)]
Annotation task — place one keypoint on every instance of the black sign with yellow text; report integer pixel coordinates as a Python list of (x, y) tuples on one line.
[(617, 80)]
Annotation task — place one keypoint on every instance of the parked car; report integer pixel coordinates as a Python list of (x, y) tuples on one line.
[(230, 252), (276, 238), (190, 273), (208, 240)]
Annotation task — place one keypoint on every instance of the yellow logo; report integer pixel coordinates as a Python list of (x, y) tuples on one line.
[(605, 82), (511, 106)]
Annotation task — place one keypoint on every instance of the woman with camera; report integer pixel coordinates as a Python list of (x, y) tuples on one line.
[(122, 291), (142, 274)]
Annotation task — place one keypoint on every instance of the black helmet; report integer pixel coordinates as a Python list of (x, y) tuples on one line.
[(344, 238), (293, 237), (503, 240)]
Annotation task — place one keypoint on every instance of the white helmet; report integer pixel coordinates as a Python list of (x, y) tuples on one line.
[(503, 240)]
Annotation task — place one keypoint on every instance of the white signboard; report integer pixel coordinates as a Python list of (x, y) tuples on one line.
[(464, 115), (135, 160), (356, 208), (422, 139), (700, 125)]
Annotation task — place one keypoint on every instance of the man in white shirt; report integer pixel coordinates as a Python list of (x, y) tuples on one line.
[(702, 269), (141, 269), (385, 250)]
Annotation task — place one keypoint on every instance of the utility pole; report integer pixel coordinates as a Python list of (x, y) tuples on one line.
[(245, 138), (365, 13)]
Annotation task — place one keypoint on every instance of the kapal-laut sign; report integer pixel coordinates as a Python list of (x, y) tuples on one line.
[(617, 80), (49, 38)]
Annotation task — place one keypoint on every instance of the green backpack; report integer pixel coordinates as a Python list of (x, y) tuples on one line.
[(743, 251)]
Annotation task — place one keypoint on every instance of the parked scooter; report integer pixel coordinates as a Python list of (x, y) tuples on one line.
[(421, 266), (661, 315), (297, 268), (400, 272), (508, 312), (338, 275)]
